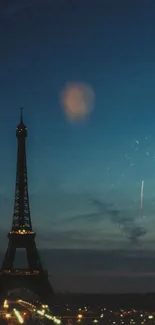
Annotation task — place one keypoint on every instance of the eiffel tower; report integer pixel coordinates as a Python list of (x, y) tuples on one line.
[(22, 235)]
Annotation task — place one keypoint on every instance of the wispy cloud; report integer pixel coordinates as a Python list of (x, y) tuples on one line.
[(136, 232), (72, 239), (125, 220), (93, 217)]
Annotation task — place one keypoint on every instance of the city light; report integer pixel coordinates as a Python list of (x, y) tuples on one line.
[(19, 317), (91, 315), (53, 318), (6, 304), (8, 315), (79, 316)]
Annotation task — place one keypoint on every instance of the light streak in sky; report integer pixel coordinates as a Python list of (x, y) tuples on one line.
[(141, 197)]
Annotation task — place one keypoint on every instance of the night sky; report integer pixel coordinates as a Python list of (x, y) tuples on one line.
[(84, 176)]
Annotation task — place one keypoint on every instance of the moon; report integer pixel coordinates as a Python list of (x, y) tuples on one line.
[(77, 101)]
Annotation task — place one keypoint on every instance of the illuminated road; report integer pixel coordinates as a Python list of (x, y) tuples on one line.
[(22, 312)]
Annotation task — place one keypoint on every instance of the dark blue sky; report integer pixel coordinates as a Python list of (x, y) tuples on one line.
[(84, 178)]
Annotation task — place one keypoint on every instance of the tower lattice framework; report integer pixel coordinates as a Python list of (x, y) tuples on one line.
[(22, 235)]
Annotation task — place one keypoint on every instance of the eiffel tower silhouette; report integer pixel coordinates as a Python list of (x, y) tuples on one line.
[(22, 235)]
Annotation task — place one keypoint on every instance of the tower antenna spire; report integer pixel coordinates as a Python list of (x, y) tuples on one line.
[(21, 114)]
